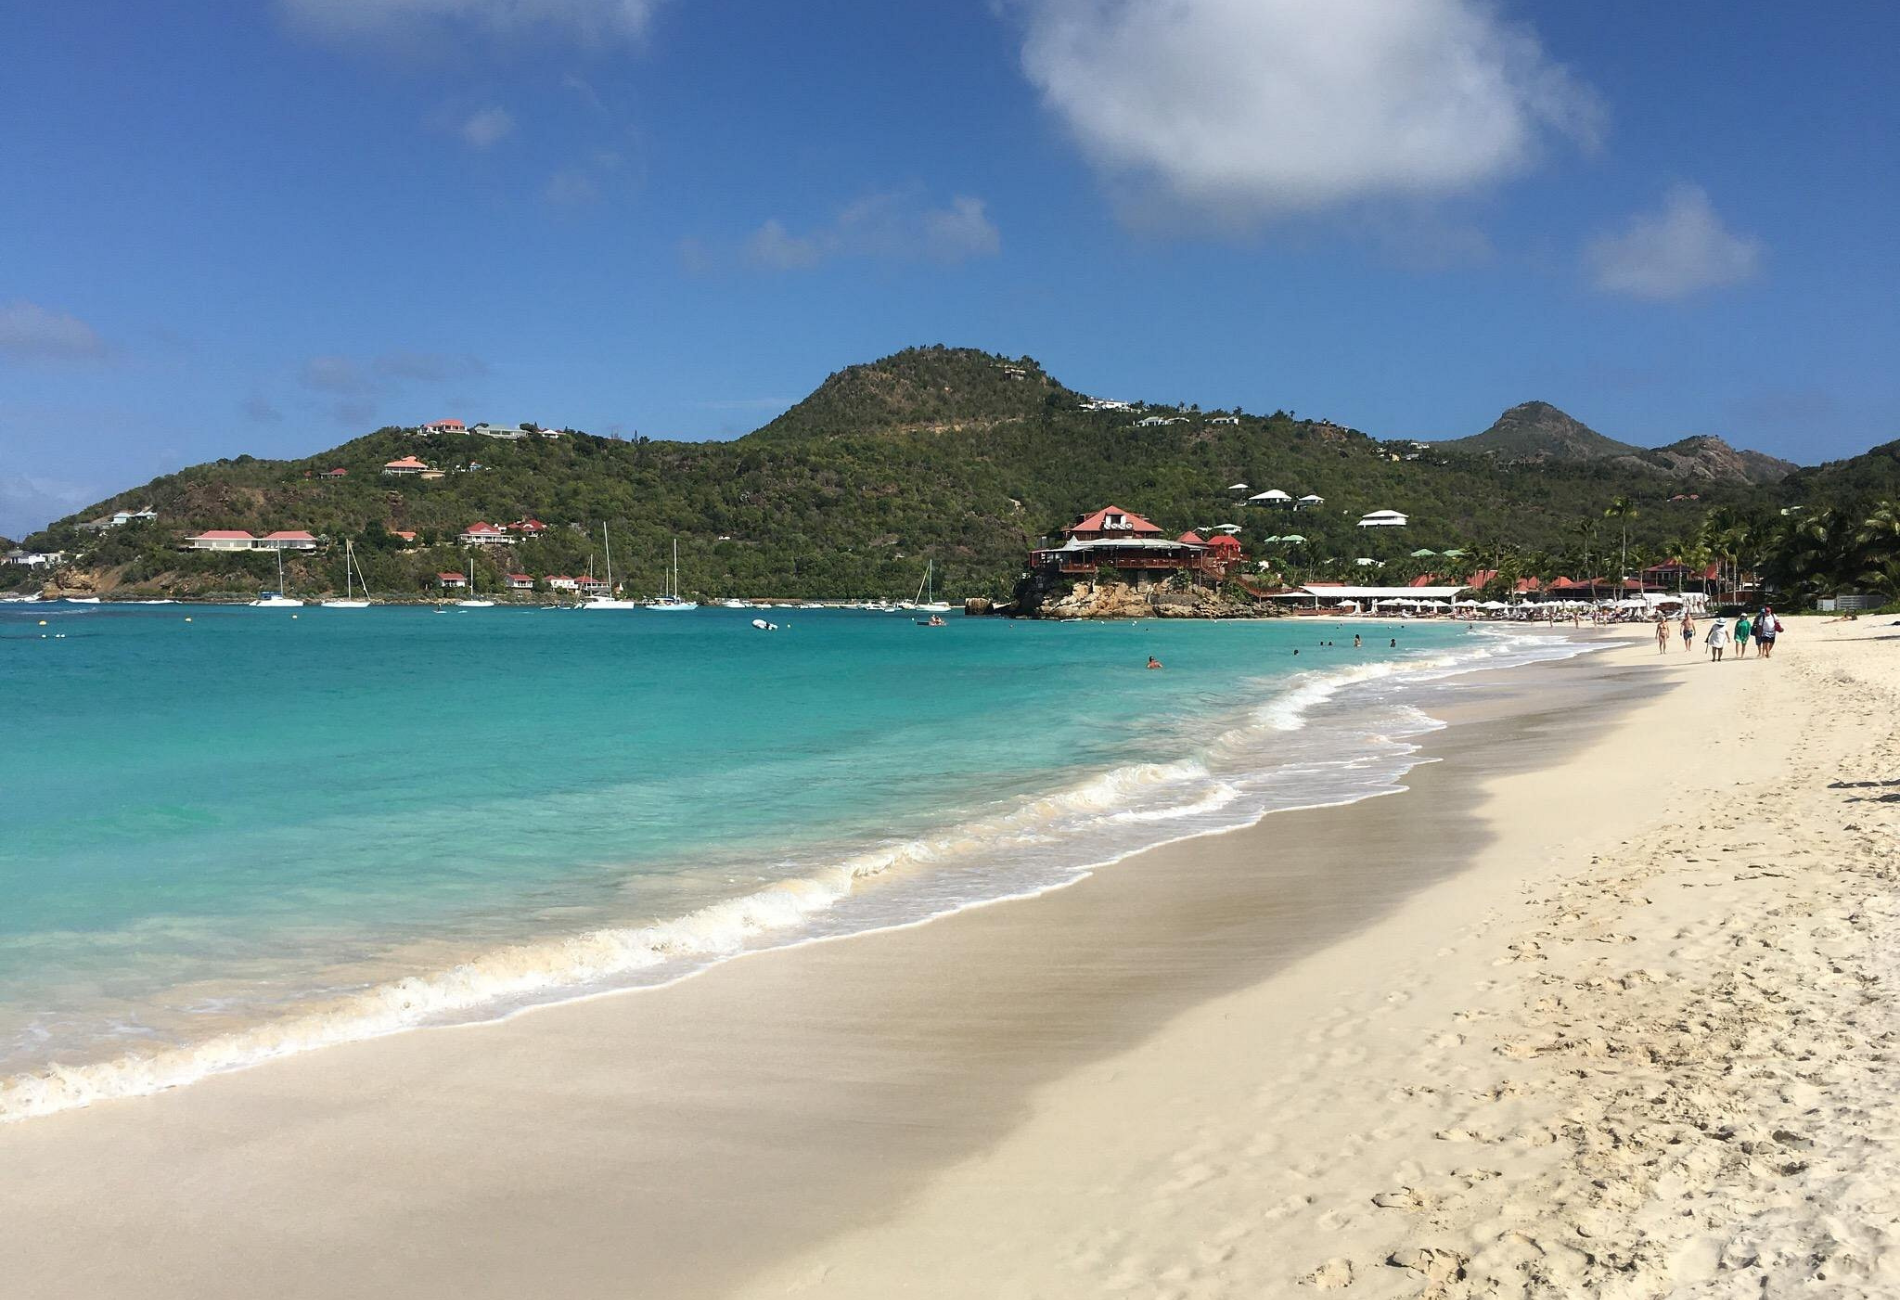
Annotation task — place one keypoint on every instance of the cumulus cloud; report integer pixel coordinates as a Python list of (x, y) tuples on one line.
[(893, 226), (1237, 111), (775, 248), (1679, 250), (489, 126), (382, 22), (30, 330)]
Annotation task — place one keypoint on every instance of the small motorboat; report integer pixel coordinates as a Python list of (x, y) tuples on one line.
[(764, 626)]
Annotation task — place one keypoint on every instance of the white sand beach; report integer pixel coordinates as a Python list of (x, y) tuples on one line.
[(1600, 1005)]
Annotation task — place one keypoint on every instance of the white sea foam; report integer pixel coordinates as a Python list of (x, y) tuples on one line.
[(1275, 758)]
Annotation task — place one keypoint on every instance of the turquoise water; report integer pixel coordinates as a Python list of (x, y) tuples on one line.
[(232, 833)]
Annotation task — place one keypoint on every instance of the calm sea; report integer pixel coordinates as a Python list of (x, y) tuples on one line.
[(233, 833)]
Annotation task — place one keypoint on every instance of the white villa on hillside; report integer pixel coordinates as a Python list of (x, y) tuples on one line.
[(1383, 519), (294, 539), (508, 432), (1308, 501), (221, 539), (1225, 419), (1273, 498), (484, 534), (444, 426)]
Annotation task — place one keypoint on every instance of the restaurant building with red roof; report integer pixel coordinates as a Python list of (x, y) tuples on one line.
[(1118, 541), (452, 581)]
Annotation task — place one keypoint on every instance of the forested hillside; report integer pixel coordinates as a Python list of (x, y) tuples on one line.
[(947, 454)]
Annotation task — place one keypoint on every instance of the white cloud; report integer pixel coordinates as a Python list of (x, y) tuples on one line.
[(488, 127), (1674, 252), (30, 330), (1241, 110), (775, 248), (377, 22), (892, 226)]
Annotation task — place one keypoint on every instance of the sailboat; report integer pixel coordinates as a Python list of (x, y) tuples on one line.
[(609, 601), (927, 592), (671, 600), (277, 599), (473, 601), (349, 600)]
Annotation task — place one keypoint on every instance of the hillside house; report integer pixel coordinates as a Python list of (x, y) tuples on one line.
[(445, 426), (520, 582), (1225, 419), (562, 582), (221, 539), (1309, 501), (452, 581), (407, 465), (288, 539), (1272, 499), (506, 432), (484, 534), (528, 527), (1383, 519), (338, 472)]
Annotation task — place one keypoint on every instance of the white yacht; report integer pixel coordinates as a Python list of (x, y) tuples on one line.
[(609, 601), (277, 599), (671, 599), (349, 600)]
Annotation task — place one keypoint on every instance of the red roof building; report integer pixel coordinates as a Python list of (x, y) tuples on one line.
[(562, 582), (221, 539), (292, 539), (1111, 521), (1192, 538), (483, 534), (520, 582), (452, 579), (407, 465), (334, 473), (528, 526), (445, 426)]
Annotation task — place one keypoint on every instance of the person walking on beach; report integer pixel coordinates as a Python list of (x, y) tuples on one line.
[(1717, 640), (1688, 631), (1767, 628), (1743, 630), (1662, 635)]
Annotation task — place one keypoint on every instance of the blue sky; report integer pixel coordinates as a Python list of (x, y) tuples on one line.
[(270, 226)]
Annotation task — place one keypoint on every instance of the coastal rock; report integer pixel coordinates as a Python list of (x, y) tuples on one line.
[(1123, 600)]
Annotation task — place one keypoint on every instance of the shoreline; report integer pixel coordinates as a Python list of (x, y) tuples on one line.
[(807, 1117), (840, 999), (869, 888)]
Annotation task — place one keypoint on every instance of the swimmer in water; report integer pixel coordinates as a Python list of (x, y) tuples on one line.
[(1153, 662)]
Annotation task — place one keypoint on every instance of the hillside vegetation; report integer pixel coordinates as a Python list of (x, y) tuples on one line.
[(952, 455)]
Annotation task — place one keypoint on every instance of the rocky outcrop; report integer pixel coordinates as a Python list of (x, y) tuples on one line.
[(1121, 600)]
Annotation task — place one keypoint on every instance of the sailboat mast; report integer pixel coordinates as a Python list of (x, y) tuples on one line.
[(607, 542)]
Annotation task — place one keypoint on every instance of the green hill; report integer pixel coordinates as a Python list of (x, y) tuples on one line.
[(1538, 431), (953, 455)]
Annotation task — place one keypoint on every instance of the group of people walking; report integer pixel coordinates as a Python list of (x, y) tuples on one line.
[(1761, 629)]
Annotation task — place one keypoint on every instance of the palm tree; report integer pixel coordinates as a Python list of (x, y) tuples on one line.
[(1622, 509)]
